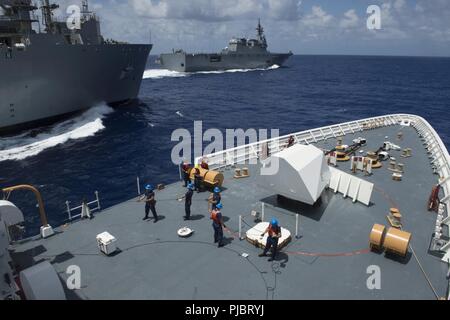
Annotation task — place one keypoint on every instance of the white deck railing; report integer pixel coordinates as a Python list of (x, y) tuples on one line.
[(438, 153), (69, 210)]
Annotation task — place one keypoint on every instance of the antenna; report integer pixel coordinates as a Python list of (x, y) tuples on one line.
[(85, 6), (47, 14)]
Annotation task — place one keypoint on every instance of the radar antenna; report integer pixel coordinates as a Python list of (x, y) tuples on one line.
[(260, 34), (47, 14)]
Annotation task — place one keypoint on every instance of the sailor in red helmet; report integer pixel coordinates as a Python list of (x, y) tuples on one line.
[(274, 231)]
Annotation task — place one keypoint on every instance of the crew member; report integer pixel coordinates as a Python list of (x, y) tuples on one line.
[(218, 225), (197, 179), (185, 170), (215, 198), (188, 202), (274, 231), (291, 142), (150, 202), (204, 165)]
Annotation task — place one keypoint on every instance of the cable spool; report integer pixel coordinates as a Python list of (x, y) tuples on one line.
[(397, 241), (377, 237), (376, 164)]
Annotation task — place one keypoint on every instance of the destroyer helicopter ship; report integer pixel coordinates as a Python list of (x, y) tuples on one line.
[(240, 54), (362, 205), (57, 71)]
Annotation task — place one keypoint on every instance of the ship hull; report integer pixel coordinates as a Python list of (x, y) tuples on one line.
[(39, 85), (184, 62)]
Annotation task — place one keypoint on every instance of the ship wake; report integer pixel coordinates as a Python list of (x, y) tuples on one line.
[(30, 144), (164, 73)]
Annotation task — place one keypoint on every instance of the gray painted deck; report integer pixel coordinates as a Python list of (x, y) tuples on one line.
[(154, 263)]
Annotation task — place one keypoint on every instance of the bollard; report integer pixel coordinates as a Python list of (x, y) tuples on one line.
[(296, 225), (179, 172)]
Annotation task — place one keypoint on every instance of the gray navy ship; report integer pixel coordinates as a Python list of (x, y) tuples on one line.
[(57, 71), (240, 54)]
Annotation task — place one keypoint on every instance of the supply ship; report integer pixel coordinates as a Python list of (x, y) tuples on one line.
[(51, 69), (363, 209), (240, 54)]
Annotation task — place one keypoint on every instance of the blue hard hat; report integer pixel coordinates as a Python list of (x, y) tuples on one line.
[(274, 222), (191, 186), (219, 206), (149, 187), (217, 190)]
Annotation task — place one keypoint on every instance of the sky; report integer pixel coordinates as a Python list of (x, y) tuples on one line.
[(408, 27)]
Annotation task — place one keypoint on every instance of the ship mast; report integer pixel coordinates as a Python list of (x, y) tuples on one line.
[(47, 14), (260, 35), (85, 13)]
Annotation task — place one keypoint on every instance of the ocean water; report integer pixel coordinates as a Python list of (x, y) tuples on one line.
[(105, 149)]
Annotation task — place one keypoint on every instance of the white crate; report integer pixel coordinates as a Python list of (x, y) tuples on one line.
[(106, 243)]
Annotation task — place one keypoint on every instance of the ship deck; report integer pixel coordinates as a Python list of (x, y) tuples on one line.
[(329, 260)]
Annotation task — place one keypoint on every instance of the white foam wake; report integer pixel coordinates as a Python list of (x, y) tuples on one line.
[(25, 145), (164, 73), (275, 66)]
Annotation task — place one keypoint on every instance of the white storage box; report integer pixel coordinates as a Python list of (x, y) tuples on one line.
[(106, 243)]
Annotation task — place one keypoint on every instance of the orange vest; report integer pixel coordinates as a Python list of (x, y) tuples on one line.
[(272, 231), (214, 217)]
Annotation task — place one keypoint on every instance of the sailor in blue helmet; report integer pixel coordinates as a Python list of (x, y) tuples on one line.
[(188, 202), (218, 225), (215, 198), (274, 233), (150, 202)]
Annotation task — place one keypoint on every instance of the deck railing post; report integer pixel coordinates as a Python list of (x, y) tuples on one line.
[(68, 210), (262, 211), (98, 200), (138, 186), (240, 227)]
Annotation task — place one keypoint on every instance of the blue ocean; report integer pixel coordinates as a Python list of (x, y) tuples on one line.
[(105, 149)]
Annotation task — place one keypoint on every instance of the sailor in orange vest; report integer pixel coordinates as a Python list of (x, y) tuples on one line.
[(274, 231), (218, 225)]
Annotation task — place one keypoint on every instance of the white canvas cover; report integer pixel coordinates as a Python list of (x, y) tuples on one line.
[(302, 175), (253, 235)]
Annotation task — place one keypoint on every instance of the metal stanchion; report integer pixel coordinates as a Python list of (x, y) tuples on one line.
[(262, 212), (240, 227)]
